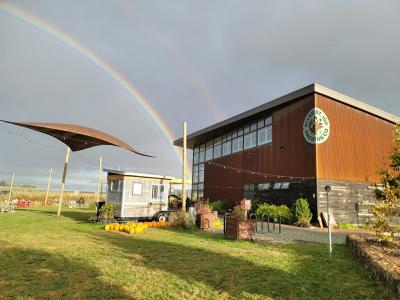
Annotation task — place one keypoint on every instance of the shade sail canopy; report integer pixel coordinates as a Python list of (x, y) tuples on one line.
[(77, 137)]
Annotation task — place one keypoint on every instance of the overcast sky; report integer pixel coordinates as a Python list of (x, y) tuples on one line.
[(200, 61)]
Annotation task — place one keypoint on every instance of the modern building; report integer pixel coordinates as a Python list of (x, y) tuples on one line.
[(293, 147)]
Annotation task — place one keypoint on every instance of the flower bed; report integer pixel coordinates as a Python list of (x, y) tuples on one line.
[(381, 259)]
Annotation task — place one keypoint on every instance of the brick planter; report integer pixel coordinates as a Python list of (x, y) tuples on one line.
[(380, 265), (240, 229), (205, 221)]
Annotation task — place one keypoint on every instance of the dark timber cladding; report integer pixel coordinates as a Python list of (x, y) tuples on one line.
[(294, 145)]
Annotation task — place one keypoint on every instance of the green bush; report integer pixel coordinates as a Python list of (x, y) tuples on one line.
[(275, 212), (302, 213), (107, 211), (222, 206), (255, 204)]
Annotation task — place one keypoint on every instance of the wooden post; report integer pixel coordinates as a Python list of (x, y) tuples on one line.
[(48, 187), (99, 180), (184, 168), (11, 186), (63, 181)]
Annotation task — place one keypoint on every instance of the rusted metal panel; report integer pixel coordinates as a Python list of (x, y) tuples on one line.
[(358, 145)]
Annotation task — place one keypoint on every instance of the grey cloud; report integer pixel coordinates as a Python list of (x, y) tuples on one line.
[(193, 60)]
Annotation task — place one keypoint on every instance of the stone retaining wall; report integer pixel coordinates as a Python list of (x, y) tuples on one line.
[(376, 263), (343, 197)]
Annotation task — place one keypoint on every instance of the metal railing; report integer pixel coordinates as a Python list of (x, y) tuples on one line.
[(264, 222), (268, 228)]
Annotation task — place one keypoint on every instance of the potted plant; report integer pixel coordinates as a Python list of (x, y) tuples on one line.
[(238, 227), (205, 217)]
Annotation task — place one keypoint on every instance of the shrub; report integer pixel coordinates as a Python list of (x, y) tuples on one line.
[(387, 210), (255, 204), (222, 206), (239, 213), (202, 207), (302, 213), (107, 211), (181, 219), (275, 212)]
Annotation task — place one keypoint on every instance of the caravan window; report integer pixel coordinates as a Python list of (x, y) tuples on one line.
[(161, 194), (154, 192), (157, 191), (115, 185), (137, 188)]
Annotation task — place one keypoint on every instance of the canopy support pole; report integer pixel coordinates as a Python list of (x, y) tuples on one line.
[(48, 187), (99, 180), (63, 181), (184, 168)]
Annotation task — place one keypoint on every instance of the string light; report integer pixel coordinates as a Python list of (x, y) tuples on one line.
[(265, 175)]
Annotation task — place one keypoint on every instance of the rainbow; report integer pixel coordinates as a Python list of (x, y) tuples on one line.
[(180, 61), (106, 67)]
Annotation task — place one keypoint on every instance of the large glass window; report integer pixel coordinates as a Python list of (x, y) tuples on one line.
[(262, 136), (201, 173), (250, 140), (195, 177), (227, 148), (217, 147), (217, 151), (237, 144), (196, 157), (209, 150), (263, 186), (269, 134), (202, 156)]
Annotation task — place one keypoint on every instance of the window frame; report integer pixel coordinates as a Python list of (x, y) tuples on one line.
[(251, 135), (133, 188)]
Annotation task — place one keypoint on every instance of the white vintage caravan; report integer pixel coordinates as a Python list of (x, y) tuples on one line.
[(138, 196)]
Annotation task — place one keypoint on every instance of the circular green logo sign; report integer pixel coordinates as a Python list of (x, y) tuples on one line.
[(316, 126)]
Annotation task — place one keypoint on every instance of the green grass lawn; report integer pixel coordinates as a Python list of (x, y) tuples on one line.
[(45, 258)]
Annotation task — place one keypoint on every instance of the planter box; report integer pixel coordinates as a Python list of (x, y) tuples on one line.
[(205, 221), (240, 229)]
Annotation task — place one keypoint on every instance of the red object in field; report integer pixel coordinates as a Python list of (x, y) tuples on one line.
[(24, 204)]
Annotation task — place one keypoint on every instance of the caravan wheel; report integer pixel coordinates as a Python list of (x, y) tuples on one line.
[(161, 218)]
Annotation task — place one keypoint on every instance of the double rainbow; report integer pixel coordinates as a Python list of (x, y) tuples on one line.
[(89, 54)]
